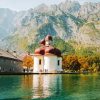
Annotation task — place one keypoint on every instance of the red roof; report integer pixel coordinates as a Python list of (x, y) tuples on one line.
[(40, 51), (44, 50), (52, 50)]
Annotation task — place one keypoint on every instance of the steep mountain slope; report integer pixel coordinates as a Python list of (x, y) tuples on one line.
[(79, 25), (6, 24)]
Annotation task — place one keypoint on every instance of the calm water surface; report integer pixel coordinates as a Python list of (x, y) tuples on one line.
[(50, 87)]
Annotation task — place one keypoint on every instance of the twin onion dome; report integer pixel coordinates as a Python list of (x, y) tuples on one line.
[(47, 48)]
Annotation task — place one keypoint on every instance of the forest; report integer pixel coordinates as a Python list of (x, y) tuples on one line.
[(75, 59)]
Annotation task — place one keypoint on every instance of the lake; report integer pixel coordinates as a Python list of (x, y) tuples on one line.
[(50, 87)]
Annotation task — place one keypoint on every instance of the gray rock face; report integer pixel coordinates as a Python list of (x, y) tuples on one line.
[(6, 24), (68, 20)]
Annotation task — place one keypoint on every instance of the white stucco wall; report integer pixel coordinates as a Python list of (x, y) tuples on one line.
[(37, 67), (50, 63)]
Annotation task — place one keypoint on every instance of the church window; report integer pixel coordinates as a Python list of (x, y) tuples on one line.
[(58, 62), (39, 61)]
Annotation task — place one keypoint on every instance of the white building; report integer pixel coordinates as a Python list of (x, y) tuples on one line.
[(47, 59)]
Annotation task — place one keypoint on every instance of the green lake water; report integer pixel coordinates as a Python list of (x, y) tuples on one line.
[(50, 87)]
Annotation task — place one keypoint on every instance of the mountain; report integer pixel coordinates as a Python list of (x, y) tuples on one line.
[(6, 24), (79, 25)]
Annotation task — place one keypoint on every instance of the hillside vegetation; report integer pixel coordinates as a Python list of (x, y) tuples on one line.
[(74, 27)]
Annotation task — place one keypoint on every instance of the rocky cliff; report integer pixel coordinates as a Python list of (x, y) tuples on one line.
[(76, 24)]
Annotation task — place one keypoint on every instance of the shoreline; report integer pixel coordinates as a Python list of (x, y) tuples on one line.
[(9, 73)]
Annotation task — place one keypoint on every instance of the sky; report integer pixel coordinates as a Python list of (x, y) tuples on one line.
[(19, 5)]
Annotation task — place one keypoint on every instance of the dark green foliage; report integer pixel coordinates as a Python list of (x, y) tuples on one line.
[(46, 29), (79, 22), (62, 21), (64, 24), (85, 52), (53, 19), (63, 46), (31, 48), (58, 43)]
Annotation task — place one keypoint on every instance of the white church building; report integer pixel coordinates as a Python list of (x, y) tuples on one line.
[(47, 59)]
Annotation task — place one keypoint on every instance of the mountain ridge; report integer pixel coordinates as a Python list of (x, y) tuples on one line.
[(68, 20)]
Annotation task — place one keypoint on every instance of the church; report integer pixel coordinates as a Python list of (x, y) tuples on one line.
[(47, 59)]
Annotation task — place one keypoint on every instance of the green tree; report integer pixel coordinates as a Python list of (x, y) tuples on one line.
[(63, 46)]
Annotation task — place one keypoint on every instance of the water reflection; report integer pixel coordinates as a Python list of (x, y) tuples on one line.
[(42, 86), (50, 87), (81, 87)]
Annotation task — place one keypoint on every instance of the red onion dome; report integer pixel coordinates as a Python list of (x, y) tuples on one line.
[(49, 49), (42, 42), (52, 50), (40, 51), (48, 37), (57, 52), (37, 51)]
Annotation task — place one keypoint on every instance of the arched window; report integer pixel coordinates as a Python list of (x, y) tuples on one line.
[(58, 62), (39, 61)]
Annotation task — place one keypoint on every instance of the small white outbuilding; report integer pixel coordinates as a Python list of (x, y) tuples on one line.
[(47, 59)]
